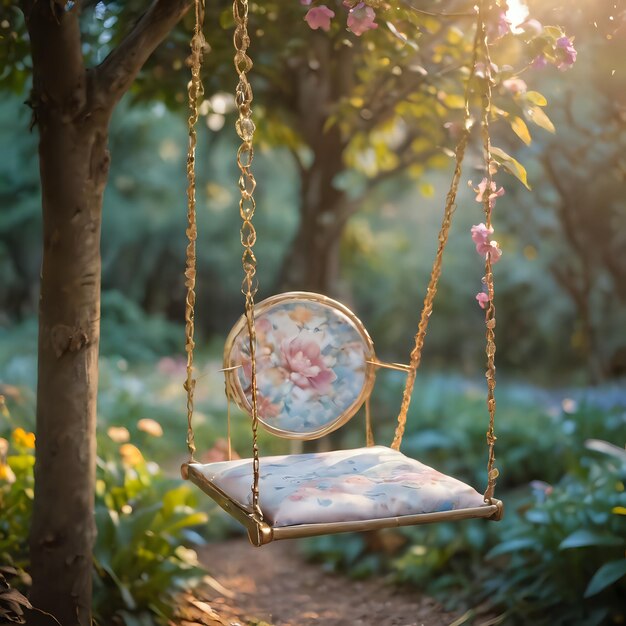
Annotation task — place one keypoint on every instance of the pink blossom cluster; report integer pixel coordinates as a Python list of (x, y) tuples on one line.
[(563, 55), (481, 234), (361, 17), (494, 192), (559, 52)]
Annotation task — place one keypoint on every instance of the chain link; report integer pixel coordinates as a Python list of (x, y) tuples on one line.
[(245, 129), (431, 291), (195, 92), (490, 311)]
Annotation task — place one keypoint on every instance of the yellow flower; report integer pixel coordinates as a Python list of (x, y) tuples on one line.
[(131, 455), (119, 434), (23, 439), (150, 426), (6, 473)]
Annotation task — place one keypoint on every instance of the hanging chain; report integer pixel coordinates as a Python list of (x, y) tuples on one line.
[(245, 129), (195, 92), (431, 291), (490, 311)]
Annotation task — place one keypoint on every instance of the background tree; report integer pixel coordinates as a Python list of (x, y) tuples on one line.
[(574, 222)]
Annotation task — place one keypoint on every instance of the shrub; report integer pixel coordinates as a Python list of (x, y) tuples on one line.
[(145, 523), (564, 554)]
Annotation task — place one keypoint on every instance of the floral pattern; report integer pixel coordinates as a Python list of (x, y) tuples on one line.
[(311, 366), (344, 485)]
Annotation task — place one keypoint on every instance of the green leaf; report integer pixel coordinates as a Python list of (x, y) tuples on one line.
[(175, 498), (194, 519), (514, 545), (401, 36), (521, 130), (536, 98), (605, 576), (537, 116), (584, 537), (511, 165)]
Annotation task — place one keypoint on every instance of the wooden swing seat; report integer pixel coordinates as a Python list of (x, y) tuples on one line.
[(339, 491)]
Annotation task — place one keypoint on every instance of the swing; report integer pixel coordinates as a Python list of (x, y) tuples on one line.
[(302, 365)]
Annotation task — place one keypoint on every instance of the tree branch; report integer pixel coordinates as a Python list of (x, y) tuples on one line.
[(117, 72)]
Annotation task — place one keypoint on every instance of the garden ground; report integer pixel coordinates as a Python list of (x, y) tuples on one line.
[(274, 586)]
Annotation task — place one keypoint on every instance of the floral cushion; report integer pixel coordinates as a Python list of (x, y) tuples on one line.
[(345, 485), (312, 374)]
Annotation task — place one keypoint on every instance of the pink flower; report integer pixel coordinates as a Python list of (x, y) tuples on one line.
[(361, 18), (494, 192), (483, 299), (532, 27), (480, 69), (484, 244), (567, 53), (515, 85), (306, 3), (305, 365), (319, 17), (540, 62), (480, 236), (504, 24), (266, 408), (494, 251)]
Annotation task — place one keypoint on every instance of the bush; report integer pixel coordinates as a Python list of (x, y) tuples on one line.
[(145, 524), (564, 554)]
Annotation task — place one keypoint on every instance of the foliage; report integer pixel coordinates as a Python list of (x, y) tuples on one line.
[(17, 461), (531, 572), (13, 604), (140, 558), (564, 554), (145, 522)]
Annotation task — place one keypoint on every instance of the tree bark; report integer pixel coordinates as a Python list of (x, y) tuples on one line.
[(73, 168), (312, 261), (63, 529)]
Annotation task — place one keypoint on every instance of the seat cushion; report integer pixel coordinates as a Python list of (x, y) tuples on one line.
[(343, 485)]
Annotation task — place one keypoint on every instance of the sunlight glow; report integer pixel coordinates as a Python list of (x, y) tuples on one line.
[(516, 14)]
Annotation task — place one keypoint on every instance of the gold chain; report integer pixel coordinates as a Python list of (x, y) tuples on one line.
[(431, 291), (490, 311), (195, 92), (245, 129)]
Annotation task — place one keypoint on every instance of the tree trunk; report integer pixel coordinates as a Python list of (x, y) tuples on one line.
[(69, 329), (312, 261), (72, 108)]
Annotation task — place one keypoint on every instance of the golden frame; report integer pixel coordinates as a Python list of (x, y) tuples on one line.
[(235, 391), (261, 533)]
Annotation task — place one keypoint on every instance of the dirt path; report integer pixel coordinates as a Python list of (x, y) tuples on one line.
[(274, 586)]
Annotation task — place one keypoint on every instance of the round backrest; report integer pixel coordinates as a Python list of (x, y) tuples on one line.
[(312, 364)]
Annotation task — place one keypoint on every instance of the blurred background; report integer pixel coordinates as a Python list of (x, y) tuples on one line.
[(348, 212)]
